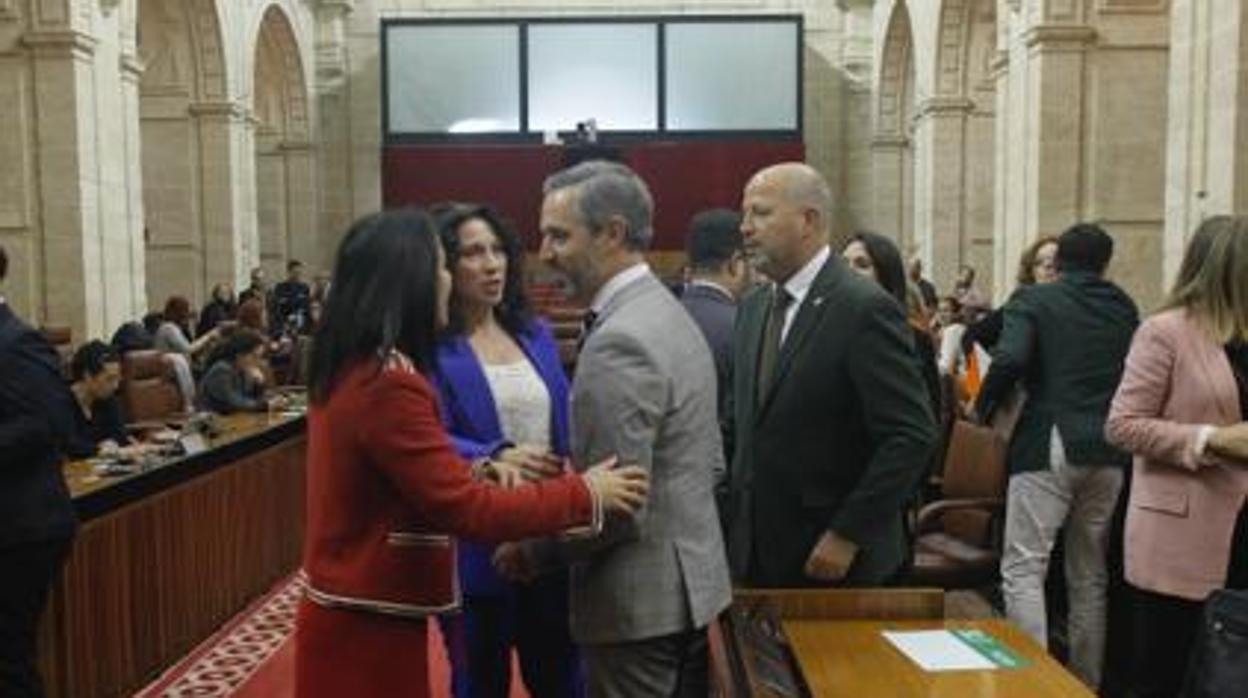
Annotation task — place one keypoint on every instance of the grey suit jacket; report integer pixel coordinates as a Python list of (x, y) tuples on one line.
[(645, 390)]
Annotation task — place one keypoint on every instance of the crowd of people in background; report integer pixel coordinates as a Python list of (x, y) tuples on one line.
[(768, 425)]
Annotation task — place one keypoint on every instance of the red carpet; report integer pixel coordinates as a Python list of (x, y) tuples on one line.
[(252, 656)]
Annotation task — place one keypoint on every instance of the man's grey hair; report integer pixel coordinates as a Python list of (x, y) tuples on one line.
[(609, 189)]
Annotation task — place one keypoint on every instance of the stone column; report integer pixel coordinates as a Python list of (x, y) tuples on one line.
[(940, 185), (227, 225), (131, 75), (65, 152), (333, 105), (1207, 156), (1003, 155), (1055, 127), (305, 241), (891, 188)]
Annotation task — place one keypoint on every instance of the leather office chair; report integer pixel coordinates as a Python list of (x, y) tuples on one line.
[(958, 536), (148, 391), (61, 337), (564, 314)]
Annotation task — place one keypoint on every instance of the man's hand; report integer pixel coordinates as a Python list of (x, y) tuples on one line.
[(532, 462), (831, 558), (513, 563)]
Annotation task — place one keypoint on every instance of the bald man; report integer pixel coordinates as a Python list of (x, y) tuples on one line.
[(831, 420)]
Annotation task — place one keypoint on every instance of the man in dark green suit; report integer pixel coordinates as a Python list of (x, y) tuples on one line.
[(832, 425), (1066, 342)]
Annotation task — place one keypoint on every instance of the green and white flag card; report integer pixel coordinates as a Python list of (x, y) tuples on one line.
[(960, 649)]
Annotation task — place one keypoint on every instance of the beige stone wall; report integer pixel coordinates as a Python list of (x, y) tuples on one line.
[(997, 121), (1086, 85), (244, 133), (1207, 165), (106, 139)]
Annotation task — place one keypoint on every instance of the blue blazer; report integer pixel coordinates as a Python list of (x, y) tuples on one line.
[(471, 418)]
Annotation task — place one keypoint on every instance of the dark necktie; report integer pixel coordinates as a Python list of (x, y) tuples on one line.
[(587, 326), (780, 301)]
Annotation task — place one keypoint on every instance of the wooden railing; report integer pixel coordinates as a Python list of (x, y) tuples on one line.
[(151, 577)]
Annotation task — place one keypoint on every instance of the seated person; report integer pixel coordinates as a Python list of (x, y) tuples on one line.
[(98, 424), (235, 380)]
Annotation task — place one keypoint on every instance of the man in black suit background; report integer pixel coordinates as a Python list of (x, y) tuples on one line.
[(37, 519), (719, 275), (833, 429)]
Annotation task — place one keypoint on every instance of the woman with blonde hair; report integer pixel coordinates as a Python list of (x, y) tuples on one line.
[(1180, 409)]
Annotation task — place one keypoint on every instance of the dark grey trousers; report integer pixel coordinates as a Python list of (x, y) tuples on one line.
[(675, 666)]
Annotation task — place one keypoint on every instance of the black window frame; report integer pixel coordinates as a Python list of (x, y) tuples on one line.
[(661, 22)]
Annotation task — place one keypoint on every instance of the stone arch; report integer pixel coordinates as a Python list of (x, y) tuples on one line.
[(185, 116), (892, 142), (896, 74), (285, 163), (955, 139)]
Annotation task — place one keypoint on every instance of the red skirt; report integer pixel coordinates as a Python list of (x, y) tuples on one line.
[(340, 653)]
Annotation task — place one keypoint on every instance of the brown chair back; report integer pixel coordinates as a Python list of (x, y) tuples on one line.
[(61, 337), (148, 391), (975, 468)]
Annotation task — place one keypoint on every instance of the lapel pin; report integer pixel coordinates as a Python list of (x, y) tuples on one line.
[(818, 301)]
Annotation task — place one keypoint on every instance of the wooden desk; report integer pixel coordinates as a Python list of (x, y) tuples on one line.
[(851, 658), (164, 557)]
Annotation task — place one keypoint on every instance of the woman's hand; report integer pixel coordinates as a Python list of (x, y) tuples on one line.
[(620, 489), (503, 474), (1230, 442), (532, 463)]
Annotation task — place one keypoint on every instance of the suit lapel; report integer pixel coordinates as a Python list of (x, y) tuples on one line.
[(465, 379), (751, 320), (809, 313), (1217, 369)]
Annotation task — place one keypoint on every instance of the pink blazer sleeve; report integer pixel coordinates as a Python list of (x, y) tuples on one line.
[(1137, 418)]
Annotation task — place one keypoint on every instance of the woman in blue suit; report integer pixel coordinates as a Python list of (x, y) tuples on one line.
[(504, 397)]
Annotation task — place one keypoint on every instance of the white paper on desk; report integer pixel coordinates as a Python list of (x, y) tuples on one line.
[(938, 650)]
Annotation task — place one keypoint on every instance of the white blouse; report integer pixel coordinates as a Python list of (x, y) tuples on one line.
[(522, 401)]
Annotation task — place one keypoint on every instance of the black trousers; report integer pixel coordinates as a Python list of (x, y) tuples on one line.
[(1164, 628), (26, 575)]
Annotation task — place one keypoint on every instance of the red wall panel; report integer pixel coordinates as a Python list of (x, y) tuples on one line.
[(685, 177)]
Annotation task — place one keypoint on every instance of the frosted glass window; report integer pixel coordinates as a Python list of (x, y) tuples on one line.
[(453, 78), (732, 75), (606, 72)]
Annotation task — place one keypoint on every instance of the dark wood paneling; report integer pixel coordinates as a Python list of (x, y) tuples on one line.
[(148, 581)]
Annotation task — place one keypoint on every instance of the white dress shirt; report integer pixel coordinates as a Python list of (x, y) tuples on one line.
[(799, 285), (616, 284)]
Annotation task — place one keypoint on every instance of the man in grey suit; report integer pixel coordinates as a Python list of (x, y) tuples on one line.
[(718, 276), (644, 591)]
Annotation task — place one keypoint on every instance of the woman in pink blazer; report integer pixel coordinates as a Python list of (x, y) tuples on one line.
[(1180, 410)]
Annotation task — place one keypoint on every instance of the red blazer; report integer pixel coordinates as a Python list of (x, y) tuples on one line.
[(1183, 504), (386, 491)]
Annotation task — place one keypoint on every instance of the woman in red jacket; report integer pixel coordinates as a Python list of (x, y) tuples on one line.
[(386, 490)]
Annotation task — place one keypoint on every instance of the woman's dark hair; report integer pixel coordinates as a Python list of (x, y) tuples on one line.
[(513, 312), (90, 358), (889, 268), (240, 341), (178, 311), (384, 298), (131, 336), (4, 263)]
